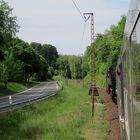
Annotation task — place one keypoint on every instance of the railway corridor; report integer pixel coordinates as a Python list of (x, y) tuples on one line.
[(111, 108)]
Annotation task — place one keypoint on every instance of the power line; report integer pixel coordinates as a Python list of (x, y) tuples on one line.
[(78, 9), (82, 39), (85, 19)]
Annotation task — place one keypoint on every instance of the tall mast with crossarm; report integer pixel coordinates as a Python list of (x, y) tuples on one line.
[(93, 61), (93, 88)]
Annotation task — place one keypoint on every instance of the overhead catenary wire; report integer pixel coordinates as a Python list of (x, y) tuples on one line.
[(85, 20), (93, 88), (82, 38), (78, 9)]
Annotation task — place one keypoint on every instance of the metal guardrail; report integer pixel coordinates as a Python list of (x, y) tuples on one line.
[(27, 101)]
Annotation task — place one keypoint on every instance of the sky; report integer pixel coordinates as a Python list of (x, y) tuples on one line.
[(59, 23)]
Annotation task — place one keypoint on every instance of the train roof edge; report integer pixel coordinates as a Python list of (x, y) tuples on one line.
[(133, 12), (132, 15)]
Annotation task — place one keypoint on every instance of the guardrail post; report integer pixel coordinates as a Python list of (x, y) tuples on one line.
[(10, 100)]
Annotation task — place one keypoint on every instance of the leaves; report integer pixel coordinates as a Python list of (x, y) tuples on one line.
[(107, 47)]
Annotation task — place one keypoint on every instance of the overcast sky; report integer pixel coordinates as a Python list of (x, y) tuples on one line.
[(57, 22)]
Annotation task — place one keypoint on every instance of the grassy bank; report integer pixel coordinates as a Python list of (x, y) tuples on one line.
[(66, 116), (100, 80), (13, 87)]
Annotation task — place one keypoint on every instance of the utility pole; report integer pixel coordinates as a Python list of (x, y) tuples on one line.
[(66, 79), (93, 88), (93, 68), (82, 67)]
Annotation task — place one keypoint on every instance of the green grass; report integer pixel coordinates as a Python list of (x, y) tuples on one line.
[(66, 116), (100, 80), (13, 87)]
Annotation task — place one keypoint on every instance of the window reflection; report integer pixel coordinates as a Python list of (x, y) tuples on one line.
[(135, 75), (136, 60)]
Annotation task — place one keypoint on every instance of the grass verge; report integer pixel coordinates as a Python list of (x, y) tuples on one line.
[(13, 87), (66, 116)]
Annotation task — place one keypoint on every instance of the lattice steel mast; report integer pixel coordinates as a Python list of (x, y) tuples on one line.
[(93, 61), (93, 90)]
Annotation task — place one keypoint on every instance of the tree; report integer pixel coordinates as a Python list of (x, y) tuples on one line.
[(107, 47), (36, 46), (63, 66), (34, 65), (8, 26), (76, 66), (4, 75), (50, 53), (28, 56), (14, 67), (42, 73)]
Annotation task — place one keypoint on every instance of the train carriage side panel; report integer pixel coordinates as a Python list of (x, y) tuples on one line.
[(130, 61)]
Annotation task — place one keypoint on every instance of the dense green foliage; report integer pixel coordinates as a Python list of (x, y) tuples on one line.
[(19, 60), (8, 27), (63, 66), (107, 47), (71, 66)]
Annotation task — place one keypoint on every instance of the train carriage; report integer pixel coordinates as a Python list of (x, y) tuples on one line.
[(128, 76)]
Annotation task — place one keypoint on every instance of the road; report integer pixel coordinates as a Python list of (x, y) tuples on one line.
[(38, 92)]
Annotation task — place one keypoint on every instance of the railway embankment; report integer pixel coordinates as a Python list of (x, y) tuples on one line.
[(112, 111)]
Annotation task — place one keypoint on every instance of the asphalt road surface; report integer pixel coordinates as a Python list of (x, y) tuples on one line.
[(38, 92)]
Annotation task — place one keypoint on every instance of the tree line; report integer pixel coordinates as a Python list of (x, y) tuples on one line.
[(108, 47), (21, 61)]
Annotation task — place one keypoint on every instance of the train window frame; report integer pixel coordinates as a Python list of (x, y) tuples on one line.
[(133, 42), (134, 49), (134, 27)]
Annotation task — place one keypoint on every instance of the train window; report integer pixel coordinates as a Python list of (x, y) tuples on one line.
[(136, 60), (135, 78), (124, 69)]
